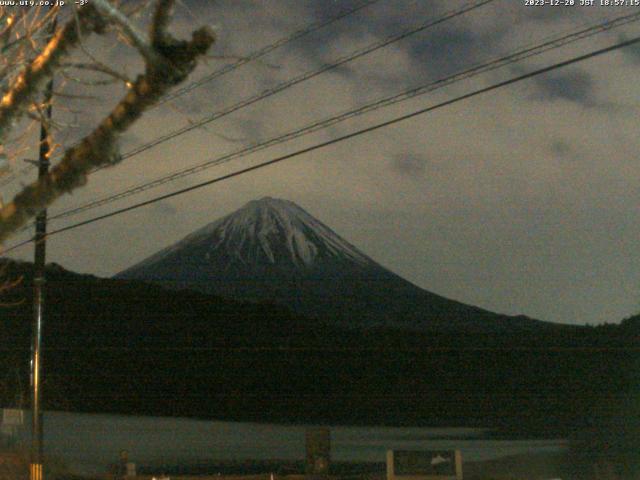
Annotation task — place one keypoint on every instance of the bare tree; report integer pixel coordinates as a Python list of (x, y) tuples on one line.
[(28, 62)]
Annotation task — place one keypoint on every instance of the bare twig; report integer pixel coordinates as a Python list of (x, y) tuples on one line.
[(133, 10), (97, 64), (88, 83), (176, 60), (129, 30), (38, 72), (74, 96), (100, 68)]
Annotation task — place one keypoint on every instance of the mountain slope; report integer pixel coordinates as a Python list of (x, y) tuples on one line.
[(133, 347), (273, 250)]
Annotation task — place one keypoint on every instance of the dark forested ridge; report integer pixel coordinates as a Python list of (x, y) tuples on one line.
[(128, 347)]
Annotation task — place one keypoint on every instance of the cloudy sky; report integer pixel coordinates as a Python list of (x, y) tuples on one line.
[(522, 200)]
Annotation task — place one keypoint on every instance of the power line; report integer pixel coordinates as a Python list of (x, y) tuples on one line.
[(296, 80), (306, 76), (518, 55), (264, 51), (348, 136), (313, 27)]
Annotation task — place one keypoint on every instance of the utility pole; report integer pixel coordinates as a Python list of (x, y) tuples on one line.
[(36, 464)]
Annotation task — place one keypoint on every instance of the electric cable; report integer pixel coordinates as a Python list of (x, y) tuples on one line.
[(518, 55), (306, 76), (342, 138), (313, 27)]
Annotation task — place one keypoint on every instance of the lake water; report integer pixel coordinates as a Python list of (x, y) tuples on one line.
[(89, 443)]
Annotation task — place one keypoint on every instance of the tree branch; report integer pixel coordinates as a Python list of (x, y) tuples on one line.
[(100, 147), (160, 23), (129, 30), (100, 68), (32, 79)]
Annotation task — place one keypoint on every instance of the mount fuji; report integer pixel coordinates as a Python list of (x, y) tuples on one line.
[(271, 250)]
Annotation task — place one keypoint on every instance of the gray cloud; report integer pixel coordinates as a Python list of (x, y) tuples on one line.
[(409, 164), (560, 148), (446, 51), (553, 14), (632, 52), (381, 19), (436, 51), (574, 86), (165, 208), (249, 128)]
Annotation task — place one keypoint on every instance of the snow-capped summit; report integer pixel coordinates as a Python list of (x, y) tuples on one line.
[(265, 231), (273, 250), (275, 231)]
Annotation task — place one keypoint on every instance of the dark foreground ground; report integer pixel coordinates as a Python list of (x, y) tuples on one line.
[(526, 467), (538, 466)]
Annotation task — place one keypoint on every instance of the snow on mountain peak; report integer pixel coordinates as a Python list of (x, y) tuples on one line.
[(268, 230), (269, 224)]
